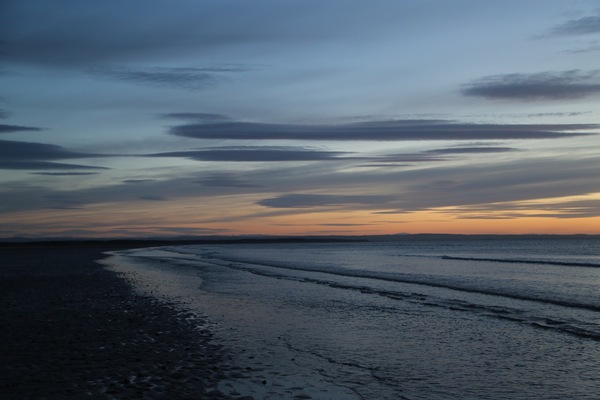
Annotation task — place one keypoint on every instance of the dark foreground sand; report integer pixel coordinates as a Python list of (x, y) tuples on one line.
[(70, 329)]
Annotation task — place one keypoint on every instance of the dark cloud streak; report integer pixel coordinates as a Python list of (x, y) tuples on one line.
[(400, 159), (84, 33), (563, 210), (30, 156), (13, 150), (225, 180), (566, 85), (397, 191), (64, 173), (254, 154), (35, 165), (152, 198), (17, 128), (181, 78), (298, 200), (398, 130), (137, 180), (198, 117), (582, 26), (472, 150)]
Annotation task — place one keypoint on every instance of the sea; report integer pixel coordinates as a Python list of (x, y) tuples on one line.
[(413, 318)]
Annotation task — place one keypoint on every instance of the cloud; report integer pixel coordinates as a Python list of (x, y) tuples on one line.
[(566, 85), (152, 198), (64, 173), (13, 150), (60, 200), (442, 185), (383, 165), (582, 26), (472, 150), (557, 114), (254, 154), (32, 165), (101, 40), (511, 210), (403, 159), (85, 33), (137, 180), (86, 36), (395, 130), (592, 48), (296, 200), (446, 185), (181, 78), (3, 113), (198, 117), (16, 128), (291, 190), (88, 33), (27, 156), (225, 180), (522, 180)]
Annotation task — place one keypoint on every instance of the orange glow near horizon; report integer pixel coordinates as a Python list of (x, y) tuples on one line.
[(239, 215), (420, 222)]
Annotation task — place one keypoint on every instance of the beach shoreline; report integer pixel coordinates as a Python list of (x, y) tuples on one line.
[(72, 328)]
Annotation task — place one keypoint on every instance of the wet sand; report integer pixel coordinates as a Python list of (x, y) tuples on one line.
[(70, 329)]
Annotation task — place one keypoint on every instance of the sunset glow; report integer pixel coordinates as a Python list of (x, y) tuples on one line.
[(315, 118)]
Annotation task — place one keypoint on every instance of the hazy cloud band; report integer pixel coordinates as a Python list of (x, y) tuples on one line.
[(399, 130)]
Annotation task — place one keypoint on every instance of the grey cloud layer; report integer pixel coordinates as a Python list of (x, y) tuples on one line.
[(254, 154), (378, 131), (85, 34), (290, 154), (145, 43), (582, 26), (541, 86), (32, 156), (182, 78), (472, 150), (322, 200), (17, 128), (225, 180), (564, 210), (88, 34), (107, 40), (197, 117), (447, 185), (291, 190), (64, 173), (40, 165)]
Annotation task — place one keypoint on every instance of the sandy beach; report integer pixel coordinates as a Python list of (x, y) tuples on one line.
[(72, 329)]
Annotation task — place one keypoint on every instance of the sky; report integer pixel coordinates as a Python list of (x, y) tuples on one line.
[(136, 118)]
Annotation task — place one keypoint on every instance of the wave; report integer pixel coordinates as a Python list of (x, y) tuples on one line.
[(525, 261), (516, 314), (494, 311), (416, 281)]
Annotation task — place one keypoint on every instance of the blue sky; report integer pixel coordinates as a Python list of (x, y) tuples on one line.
[(135, 118)]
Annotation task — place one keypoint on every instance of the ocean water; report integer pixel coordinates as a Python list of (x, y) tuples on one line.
[(419, 318)]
